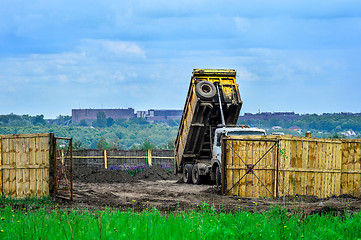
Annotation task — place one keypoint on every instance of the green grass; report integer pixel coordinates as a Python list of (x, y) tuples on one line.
[(28, 201), (206, 223)]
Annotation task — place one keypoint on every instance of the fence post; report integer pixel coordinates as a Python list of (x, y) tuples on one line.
[(149, 157), (105, 159)]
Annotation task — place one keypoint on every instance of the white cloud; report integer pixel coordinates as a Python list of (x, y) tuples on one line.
[(115, 48), (244, 75), (120, 47), (242, 24)]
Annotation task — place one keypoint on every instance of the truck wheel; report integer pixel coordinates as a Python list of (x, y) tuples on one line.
[(218, 177), (196, 178), (205, 90), (187, 173)]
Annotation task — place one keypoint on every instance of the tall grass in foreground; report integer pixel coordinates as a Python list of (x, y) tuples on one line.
[(152, 224)]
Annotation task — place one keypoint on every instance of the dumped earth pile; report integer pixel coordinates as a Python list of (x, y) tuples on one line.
[(101, 175), (155, 173)]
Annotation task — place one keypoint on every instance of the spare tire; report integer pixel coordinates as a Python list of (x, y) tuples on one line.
[(205, 90)]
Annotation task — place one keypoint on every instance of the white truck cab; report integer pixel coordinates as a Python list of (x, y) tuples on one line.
[(217, 145)]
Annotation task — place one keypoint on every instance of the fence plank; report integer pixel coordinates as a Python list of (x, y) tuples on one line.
[(338, 166), (304, 164), (19, 158), (351, 166), (6, 162), (45, 162), (310, 187), (32, 161), (357, 166), (12, 171), (320, 165), (288, 181), (242, 154), (344, 167)]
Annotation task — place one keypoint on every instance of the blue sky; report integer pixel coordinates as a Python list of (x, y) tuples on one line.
[(301, 56)]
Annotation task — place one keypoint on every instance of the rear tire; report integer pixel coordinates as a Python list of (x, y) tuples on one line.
[(196, 178), (205, 90), (187, 173), (218, 177)]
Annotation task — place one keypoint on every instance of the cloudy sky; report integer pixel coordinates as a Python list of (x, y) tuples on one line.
[(302, 56)]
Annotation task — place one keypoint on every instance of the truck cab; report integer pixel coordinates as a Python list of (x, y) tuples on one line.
[(217, 145)]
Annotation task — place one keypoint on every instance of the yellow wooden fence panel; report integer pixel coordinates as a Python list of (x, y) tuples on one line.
[(24, 165), (240, 156), (306, 166)]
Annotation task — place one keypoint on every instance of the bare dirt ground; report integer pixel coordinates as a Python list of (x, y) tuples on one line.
[(100, 188)]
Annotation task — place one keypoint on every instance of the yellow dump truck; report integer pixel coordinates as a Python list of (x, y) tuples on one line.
[(211, 111)]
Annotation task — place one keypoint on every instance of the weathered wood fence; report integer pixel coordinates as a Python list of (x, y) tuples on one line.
[(284, 165)]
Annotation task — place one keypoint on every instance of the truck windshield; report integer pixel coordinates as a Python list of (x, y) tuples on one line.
[(245, 133)]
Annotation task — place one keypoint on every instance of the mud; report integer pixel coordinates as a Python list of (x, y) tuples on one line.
[(101, 175), (155, 187)]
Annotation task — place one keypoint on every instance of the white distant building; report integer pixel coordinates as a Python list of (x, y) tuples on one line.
[(276, 127), (277, 133), (349, 133)]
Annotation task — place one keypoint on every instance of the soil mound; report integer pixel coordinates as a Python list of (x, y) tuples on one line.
[(100, 175), (155, 173)]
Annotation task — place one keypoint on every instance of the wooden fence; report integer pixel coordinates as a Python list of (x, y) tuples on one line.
[(107, 158), (26, 165), (285, 165)]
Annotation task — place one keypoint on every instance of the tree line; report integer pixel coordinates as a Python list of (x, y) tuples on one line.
[(328, 124), (137, 133), (124, 134)]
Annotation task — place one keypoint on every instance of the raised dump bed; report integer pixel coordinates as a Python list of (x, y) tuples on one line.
[(202, 114)]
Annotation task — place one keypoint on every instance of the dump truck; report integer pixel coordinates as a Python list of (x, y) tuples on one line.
[(210, 112)]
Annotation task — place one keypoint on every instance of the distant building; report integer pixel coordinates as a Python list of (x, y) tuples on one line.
[(349, 133), (277, 133), (270, 115), (142, 114), (276, 127), (162, 115), (90, 115), (296, 129)]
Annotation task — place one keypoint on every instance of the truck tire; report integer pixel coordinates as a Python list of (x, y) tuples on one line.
[(196, 178), (187, 173), (205, 90), (218, 177)]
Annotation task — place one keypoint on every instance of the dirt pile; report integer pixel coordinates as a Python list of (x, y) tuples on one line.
[(101, 175), (155, 173)]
